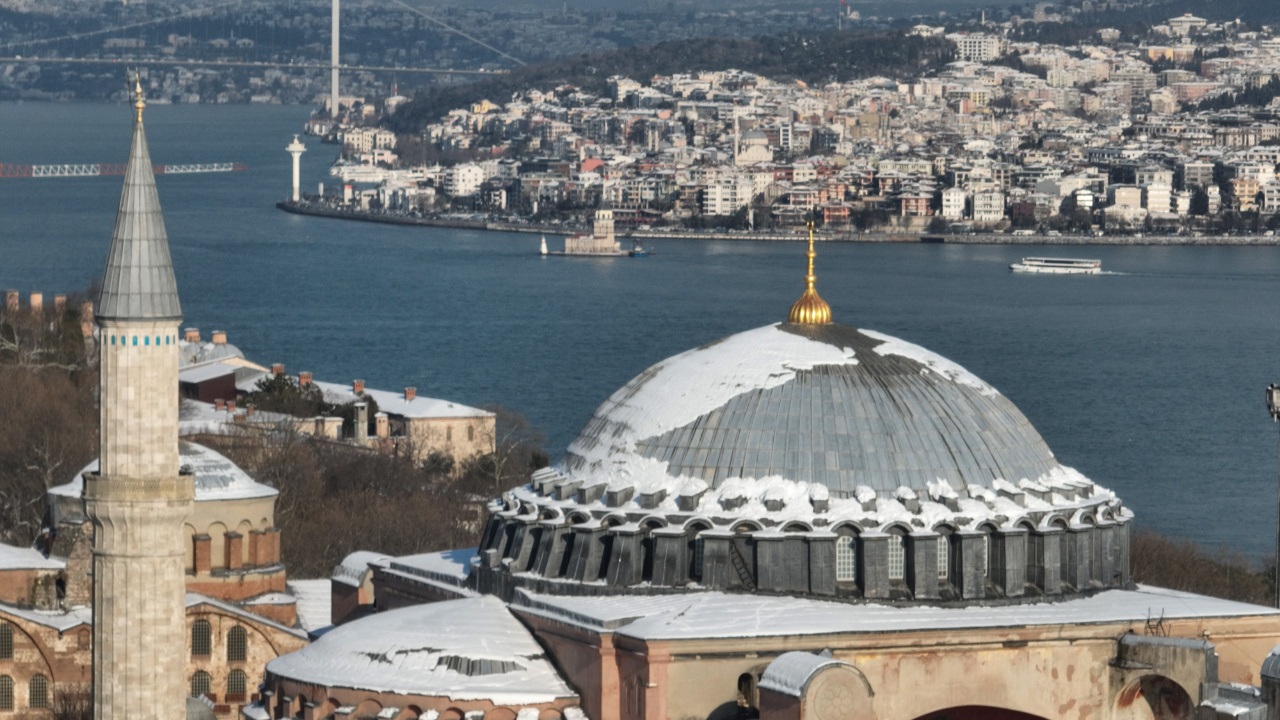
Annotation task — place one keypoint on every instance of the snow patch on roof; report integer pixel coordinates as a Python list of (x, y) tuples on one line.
[(315, 603), (401, 651), (17, 558), (216, 477), (353, 567), (790, 673), (682, 388), (931, 360)]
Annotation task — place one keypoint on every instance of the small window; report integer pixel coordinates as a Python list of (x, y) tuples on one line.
[(897, 558), (6, 692), (699, 548), (237, 644), (38, 693), (236, 682), (201, 684), (846, 559), (6, 642), (201, 638), (448, 434), (471, 433), (943, 557)]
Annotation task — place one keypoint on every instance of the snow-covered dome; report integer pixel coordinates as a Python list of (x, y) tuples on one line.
[(214, 475), (819, 403)]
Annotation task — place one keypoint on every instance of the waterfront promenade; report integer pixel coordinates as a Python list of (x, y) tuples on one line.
[(796, 235)]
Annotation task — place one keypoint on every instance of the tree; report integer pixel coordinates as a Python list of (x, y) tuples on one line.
[(517, 451)]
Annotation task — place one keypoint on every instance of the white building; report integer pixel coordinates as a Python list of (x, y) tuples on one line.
[(988, 206), (953, 203), (977, 47), (726, 195), (463, 180)]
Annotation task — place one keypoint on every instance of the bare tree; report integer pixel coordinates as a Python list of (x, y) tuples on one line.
[(72, 702)]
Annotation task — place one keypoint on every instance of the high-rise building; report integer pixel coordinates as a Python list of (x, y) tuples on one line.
[(139, 499)]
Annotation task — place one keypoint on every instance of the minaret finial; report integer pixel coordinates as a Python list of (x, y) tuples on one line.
[(139, 103), (810, 309)]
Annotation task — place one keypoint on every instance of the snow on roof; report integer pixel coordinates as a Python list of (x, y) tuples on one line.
[(17, 558), (272, 598), (255, 712), (200, 373), (935, 362), (450, 566), (195, 417), (315, 603), (59, 620), (789, 674), (719, 615), (392, 403), (194, 599), (682, 388), (353, 567), (216, 477), (409, 651)]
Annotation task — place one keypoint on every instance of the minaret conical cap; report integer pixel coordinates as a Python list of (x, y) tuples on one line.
[(138, 283), (810, 309)]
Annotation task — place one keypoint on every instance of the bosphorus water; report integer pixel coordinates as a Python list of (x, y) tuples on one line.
[(1150, 381)]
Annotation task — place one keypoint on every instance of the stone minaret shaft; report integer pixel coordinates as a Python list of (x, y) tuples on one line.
[(138, 500)]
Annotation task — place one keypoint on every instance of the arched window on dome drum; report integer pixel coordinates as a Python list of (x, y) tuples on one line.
[(237, 644), (846, 559), (201, 684), (6, 692), (201, 639), (6, 641), (1035, 558), (38, 692), (697, 551), (944, 558), (236, 683), (897, 557)]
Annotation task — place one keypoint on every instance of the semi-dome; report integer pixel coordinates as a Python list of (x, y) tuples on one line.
[(818, 403)]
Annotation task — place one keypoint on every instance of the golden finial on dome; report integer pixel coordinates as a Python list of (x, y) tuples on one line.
[(138, 104), (810, 309)]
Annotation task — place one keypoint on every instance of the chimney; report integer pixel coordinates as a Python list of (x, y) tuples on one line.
[(191, 335), (304, 378), (11, 301), (86, 319), (37, 302), (362, 423), (277, 368), (219, 337), (219, 405), (59, 303), (238, 417), (231, 406), (250, 409), (410, 393), (357, 386), (382, 425)]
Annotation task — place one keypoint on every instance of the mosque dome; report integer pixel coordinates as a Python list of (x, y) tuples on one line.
[(808, 458), (814, 403)]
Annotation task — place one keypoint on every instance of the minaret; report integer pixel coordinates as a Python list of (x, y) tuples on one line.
[(138, 500), (296, 148)]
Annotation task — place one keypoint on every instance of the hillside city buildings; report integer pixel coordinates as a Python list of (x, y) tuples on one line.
[(1097, 136)]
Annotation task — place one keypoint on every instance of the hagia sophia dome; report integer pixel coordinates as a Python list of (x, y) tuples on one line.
[(810, 431)]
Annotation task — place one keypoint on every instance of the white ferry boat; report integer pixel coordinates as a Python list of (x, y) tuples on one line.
[(1057, 266)]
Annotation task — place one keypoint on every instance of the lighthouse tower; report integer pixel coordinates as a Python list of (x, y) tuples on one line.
[(138, 500), (296, 148)]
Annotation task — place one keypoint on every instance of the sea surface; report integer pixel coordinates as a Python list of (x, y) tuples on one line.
[(1150, 380)]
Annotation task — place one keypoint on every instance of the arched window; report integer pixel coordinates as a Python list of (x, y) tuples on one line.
[(944, 557), (38, 693), (448, 434), (846, 559), (699, 551), (201, 684), (6, 642), (237, 644), (236, 682), (201, 639), (471, 433), (897, 557), (6, 692)]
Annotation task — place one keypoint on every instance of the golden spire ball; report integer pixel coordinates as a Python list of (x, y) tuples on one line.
[(810, 309)]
